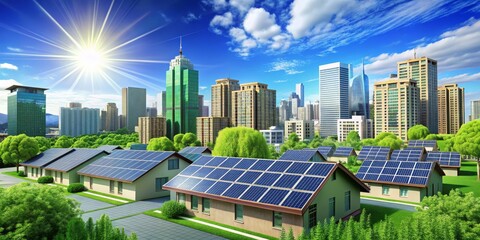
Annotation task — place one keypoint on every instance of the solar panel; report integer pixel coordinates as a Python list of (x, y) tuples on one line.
[(249, 177), (262, 165), (445, 159), (298, 167), (253, 193), (232, 175), (267, 179), (326, 151), (191, 156), (195, 150), (73, 159), (422, 143), (299, 155), (280, 166), (217, 173), (245, 163), (47, 157), (109, 148), (203, 185), (296, 199), (374, 153), (235, 190), (343, 152), (274, 196), (309, 183), (408, 154), (218, 188)]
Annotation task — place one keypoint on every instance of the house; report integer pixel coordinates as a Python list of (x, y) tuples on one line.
[(409, 154), (401, 180), (133, 174), (374, 153), (306, 155), (429, 145), (450, 162), (193, 153), (326, 151), (138, 146), (64, 169), (109, 148), (342, 154), (33, 167), (264, 195)]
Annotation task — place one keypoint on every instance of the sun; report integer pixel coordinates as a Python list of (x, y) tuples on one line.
[(91, 59)]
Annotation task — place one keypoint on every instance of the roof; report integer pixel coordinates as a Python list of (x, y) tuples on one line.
[(445, 159), (326, 151), (415, 174), (74, 159), (278, 185), (301, 155), (126, 165), (422, 143), (374, 153), (197, 150), (47, 157), (344, 152), (109, 148), (138, 146), (191, 156), (408, 154), (22, 86)]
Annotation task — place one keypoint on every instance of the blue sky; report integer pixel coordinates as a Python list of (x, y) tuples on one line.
[(280, 43)]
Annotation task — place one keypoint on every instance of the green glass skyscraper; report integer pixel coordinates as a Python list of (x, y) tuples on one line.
[(181, 96), (26, 110)]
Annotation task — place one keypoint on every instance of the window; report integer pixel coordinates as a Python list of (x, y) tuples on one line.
[(61, 177), (334, 176), (55, 175), (277, 219), (159, 183), (181, 198), (205, 205), (403, 192), (312, 215), (31, 171), (173, 164), (238, 212), (331, 207), (36, 172), (120, 188), (347, 201), (385, 190), (91, 183), (194, 201), (112, 186)]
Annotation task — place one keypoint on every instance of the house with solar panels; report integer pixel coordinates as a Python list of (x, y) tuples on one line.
[(133, 174), (342, 154), (374, 153), (193, 153), (33, 167), (429, 145), (450, 162), (109, 148), (401, 180), (264, 195), (409, 154), (326, 151), (306, 155)]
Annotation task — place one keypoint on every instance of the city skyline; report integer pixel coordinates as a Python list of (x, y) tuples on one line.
[(288, 51)]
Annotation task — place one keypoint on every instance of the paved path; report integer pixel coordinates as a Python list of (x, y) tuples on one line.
[(127, 209), (7, 181), (88, 204), (381, 203)]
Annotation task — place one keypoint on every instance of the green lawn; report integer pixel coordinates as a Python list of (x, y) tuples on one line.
[(104, 199), (466, 181), (14, 174), (390, 200), (378, 213)]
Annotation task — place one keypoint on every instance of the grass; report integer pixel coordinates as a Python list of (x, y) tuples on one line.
[(14, 174), (378, 213), (391, 200), (208, 229), (466, 181), (106, 200)]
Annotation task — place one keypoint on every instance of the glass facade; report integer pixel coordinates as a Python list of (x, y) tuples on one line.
[(134, 105), (26, 111), (359, 95)]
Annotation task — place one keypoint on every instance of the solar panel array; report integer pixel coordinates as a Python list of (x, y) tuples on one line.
[(326, 151), (47, 157), (407, 154), (193, 150), (191, 156), (125, 165), (343, 151), (374, 153), (422, 143), (410, 173), (277, 182), (73, 159), (449, 159), (298, 155), (109, 148)]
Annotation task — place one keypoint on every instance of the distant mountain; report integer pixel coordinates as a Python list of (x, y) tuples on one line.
[(3, 118), (52, 120)]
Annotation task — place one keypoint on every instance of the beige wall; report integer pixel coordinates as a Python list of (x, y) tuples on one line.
[(103, 185), (451, 171), (338, 159), (27, 170), (414, 194)]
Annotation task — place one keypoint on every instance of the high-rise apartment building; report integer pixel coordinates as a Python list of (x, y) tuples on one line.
[(200, 105), (334, 102), (359, 124), (396, 106), (316, 110), (103, 119), (161, 104), (254, 106), (474, 110), (423, 71), (451, 108), (359, 95), (299, 89), (134, 105), (152, 112), (78, 121), (222, 97), (112, 120), (74, 105), (181, 96), (294, 103), (274, 136), (208, 128), (305, 130), (205, 111), (26, 110), (308, 111), (301, 113), (151, 127), (284, 112)]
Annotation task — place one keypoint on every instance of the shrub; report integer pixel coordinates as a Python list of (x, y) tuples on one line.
[(76, 187), (45, 179), (21, 174), (172, 209)]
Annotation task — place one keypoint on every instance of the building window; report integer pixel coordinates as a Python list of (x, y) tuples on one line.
[(91, 183), (312, 215), (238, 212), (334, 176), (348, 200), (159, 183), (173, 164), (55, 175), (277, 219), (194, 201), (36, 172), (181, 198), (120, 188), (331, 207), (403, 192), (205, 205), (385, 190), (112, 186), (31, 171)]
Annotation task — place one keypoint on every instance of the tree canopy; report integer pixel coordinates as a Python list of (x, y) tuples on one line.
[(17, 149), (43, 143), (160, 144), (292, 142), (185, 140), (417, 132), (353, 140), (241, 142), (467, 141)]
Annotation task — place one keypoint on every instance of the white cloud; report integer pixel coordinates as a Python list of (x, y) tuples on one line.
[(280, 81), (217, 5), (4, 93), (224, 21), (13, 49), (462, 78), (281, 42), (202, 88), (287, 66), (191, 17), (7, 83), (261, 24), (242, 5), (237, 34), (8, 66)]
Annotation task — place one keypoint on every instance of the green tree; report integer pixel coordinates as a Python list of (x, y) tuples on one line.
[(190, 139), (43, 143), (386, 139), (316, 142), (353, 140), (122, 131), (63, 142), (431, 137), (33, 211), (467, 141), (160, 144), (368, 142), (177, 141), (76, 229), (17, 149), (273, 152), (292, 143), (241, 142), (417, 132)]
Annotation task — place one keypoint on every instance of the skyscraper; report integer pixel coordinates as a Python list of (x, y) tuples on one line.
[(152, 112), (359, 95), (309, 111), (134, 105), (79, 121), (205, 111), (396, 106), (181, 96), (103, 119), (294, 103), (161, 104), (451, 108), (333, 81), (254, 106), (284, 112), (208, 128), (300, 93), (151, 127), (475, 110), (26, 110), (112, 121), (424, 71), (316, 109), (222, 97)]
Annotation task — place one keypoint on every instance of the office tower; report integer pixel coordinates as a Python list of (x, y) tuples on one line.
[(121, 121), (181, 96), (424, 71), (475, 110), (274, 136), (301, 112), (200, 105), (254, 106), (103, 119), (208, 128), (359, 95), (333, 85), (294, 103), (222, 97), (112, 119), (300, 93), (305, 130), (151, 127), (26, 110), (308, 111), (316, 110), (161, 104), (205, 111), (152, 112), (79, 121), (134, 105), (284, 112), (74, 105), (360, 124), (396, 106), (451, 108)]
